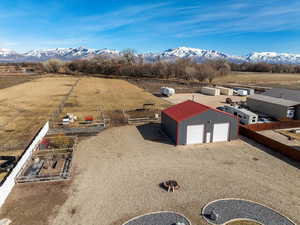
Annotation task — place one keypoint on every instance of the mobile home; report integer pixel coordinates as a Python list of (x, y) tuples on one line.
[(245, 116)]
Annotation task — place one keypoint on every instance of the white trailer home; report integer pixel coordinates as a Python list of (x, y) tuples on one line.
[(245, 116)]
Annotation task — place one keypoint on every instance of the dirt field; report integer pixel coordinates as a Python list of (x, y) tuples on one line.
[(108, 95), (33, 203), (213, 101), (117, 176), (281, 138), (26, 107)]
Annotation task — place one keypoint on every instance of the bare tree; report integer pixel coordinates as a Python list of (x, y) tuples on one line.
[(129, 55)]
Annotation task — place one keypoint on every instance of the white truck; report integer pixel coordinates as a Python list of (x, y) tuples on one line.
[(241, 92)]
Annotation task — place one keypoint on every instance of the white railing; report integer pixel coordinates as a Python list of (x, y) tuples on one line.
[(9, 182)]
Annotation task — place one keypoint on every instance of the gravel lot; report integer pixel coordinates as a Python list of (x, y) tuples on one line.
[(212, 101), (229, 209), (118, 175)]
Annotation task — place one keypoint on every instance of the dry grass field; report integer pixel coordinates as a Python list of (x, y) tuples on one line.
[(117, 176), (11, 80), (107, 95), (26, 107), (259, 78)]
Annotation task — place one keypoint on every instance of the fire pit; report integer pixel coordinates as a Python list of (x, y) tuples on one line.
[(170, 185)]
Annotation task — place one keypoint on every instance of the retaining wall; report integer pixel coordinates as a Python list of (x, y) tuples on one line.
[(9, 182)]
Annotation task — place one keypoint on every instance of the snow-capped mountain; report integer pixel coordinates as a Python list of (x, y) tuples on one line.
[(273, 57), (6, 52), (198, 55), (67, 53)]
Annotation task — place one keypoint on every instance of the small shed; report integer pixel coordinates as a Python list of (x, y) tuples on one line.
[(193, 123)]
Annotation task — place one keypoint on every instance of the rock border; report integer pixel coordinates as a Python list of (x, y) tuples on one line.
[(245, 200), (158, 212)]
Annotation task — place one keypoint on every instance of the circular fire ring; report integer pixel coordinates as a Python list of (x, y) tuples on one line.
[(170, 185)]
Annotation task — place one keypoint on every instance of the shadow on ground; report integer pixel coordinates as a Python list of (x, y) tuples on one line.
[(153, 132), (271, 152)]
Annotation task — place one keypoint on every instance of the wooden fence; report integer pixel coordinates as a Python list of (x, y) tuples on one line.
[(286, 150), (274, 125)]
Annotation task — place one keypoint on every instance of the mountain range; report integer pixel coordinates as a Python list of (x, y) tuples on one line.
[(198, 55)]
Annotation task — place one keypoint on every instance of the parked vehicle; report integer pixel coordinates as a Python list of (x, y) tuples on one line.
[(166, 91), (245, 116), (221, 108), (264, 120), (241, 92)]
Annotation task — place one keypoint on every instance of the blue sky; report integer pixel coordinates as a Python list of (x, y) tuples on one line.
[(232, 26)]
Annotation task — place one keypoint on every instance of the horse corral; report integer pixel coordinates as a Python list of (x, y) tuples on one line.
[(52, 161)]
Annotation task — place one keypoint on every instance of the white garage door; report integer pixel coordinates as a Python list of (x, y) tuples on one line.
[(221, 131), (195, 134)]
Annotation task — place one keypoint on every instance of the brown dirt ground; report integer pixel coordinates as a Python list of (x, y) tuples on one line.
[(33, 203), (212, 101), (118, 172), (281, 138)]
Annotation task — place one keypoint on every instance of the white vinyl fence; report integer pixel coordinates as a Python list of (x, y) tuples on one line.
[(9, 182)]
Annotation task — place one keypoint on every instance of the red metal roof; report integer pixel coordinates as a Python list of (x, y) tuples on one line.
[(185, 110), (188, 109)]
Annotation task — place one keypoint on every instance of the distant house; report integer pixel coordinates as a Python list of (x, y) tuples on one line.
[(193, 123)]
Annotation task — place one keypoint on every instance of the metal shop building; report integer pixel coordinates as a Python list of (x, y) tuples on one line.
[(277, 108), (193, 123)]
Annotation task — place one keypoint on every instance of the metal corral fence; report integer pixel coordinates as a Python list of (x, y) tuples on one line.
[(58, 111), (82, 131), (286, 150), (137, 121)]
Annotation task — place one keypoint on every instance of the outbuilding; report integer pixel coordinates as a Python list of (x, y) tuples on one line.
[(193, 123), (277, 108)]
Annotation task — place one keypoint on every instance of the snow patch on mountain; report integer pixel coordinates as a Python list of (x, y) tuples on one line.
[(6, 52), (273, 57), (197, 55)]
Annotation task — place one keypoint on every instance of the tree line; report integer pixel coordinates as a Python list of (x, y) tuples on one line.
[(184, 69), (130, 65), (265, 67)]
